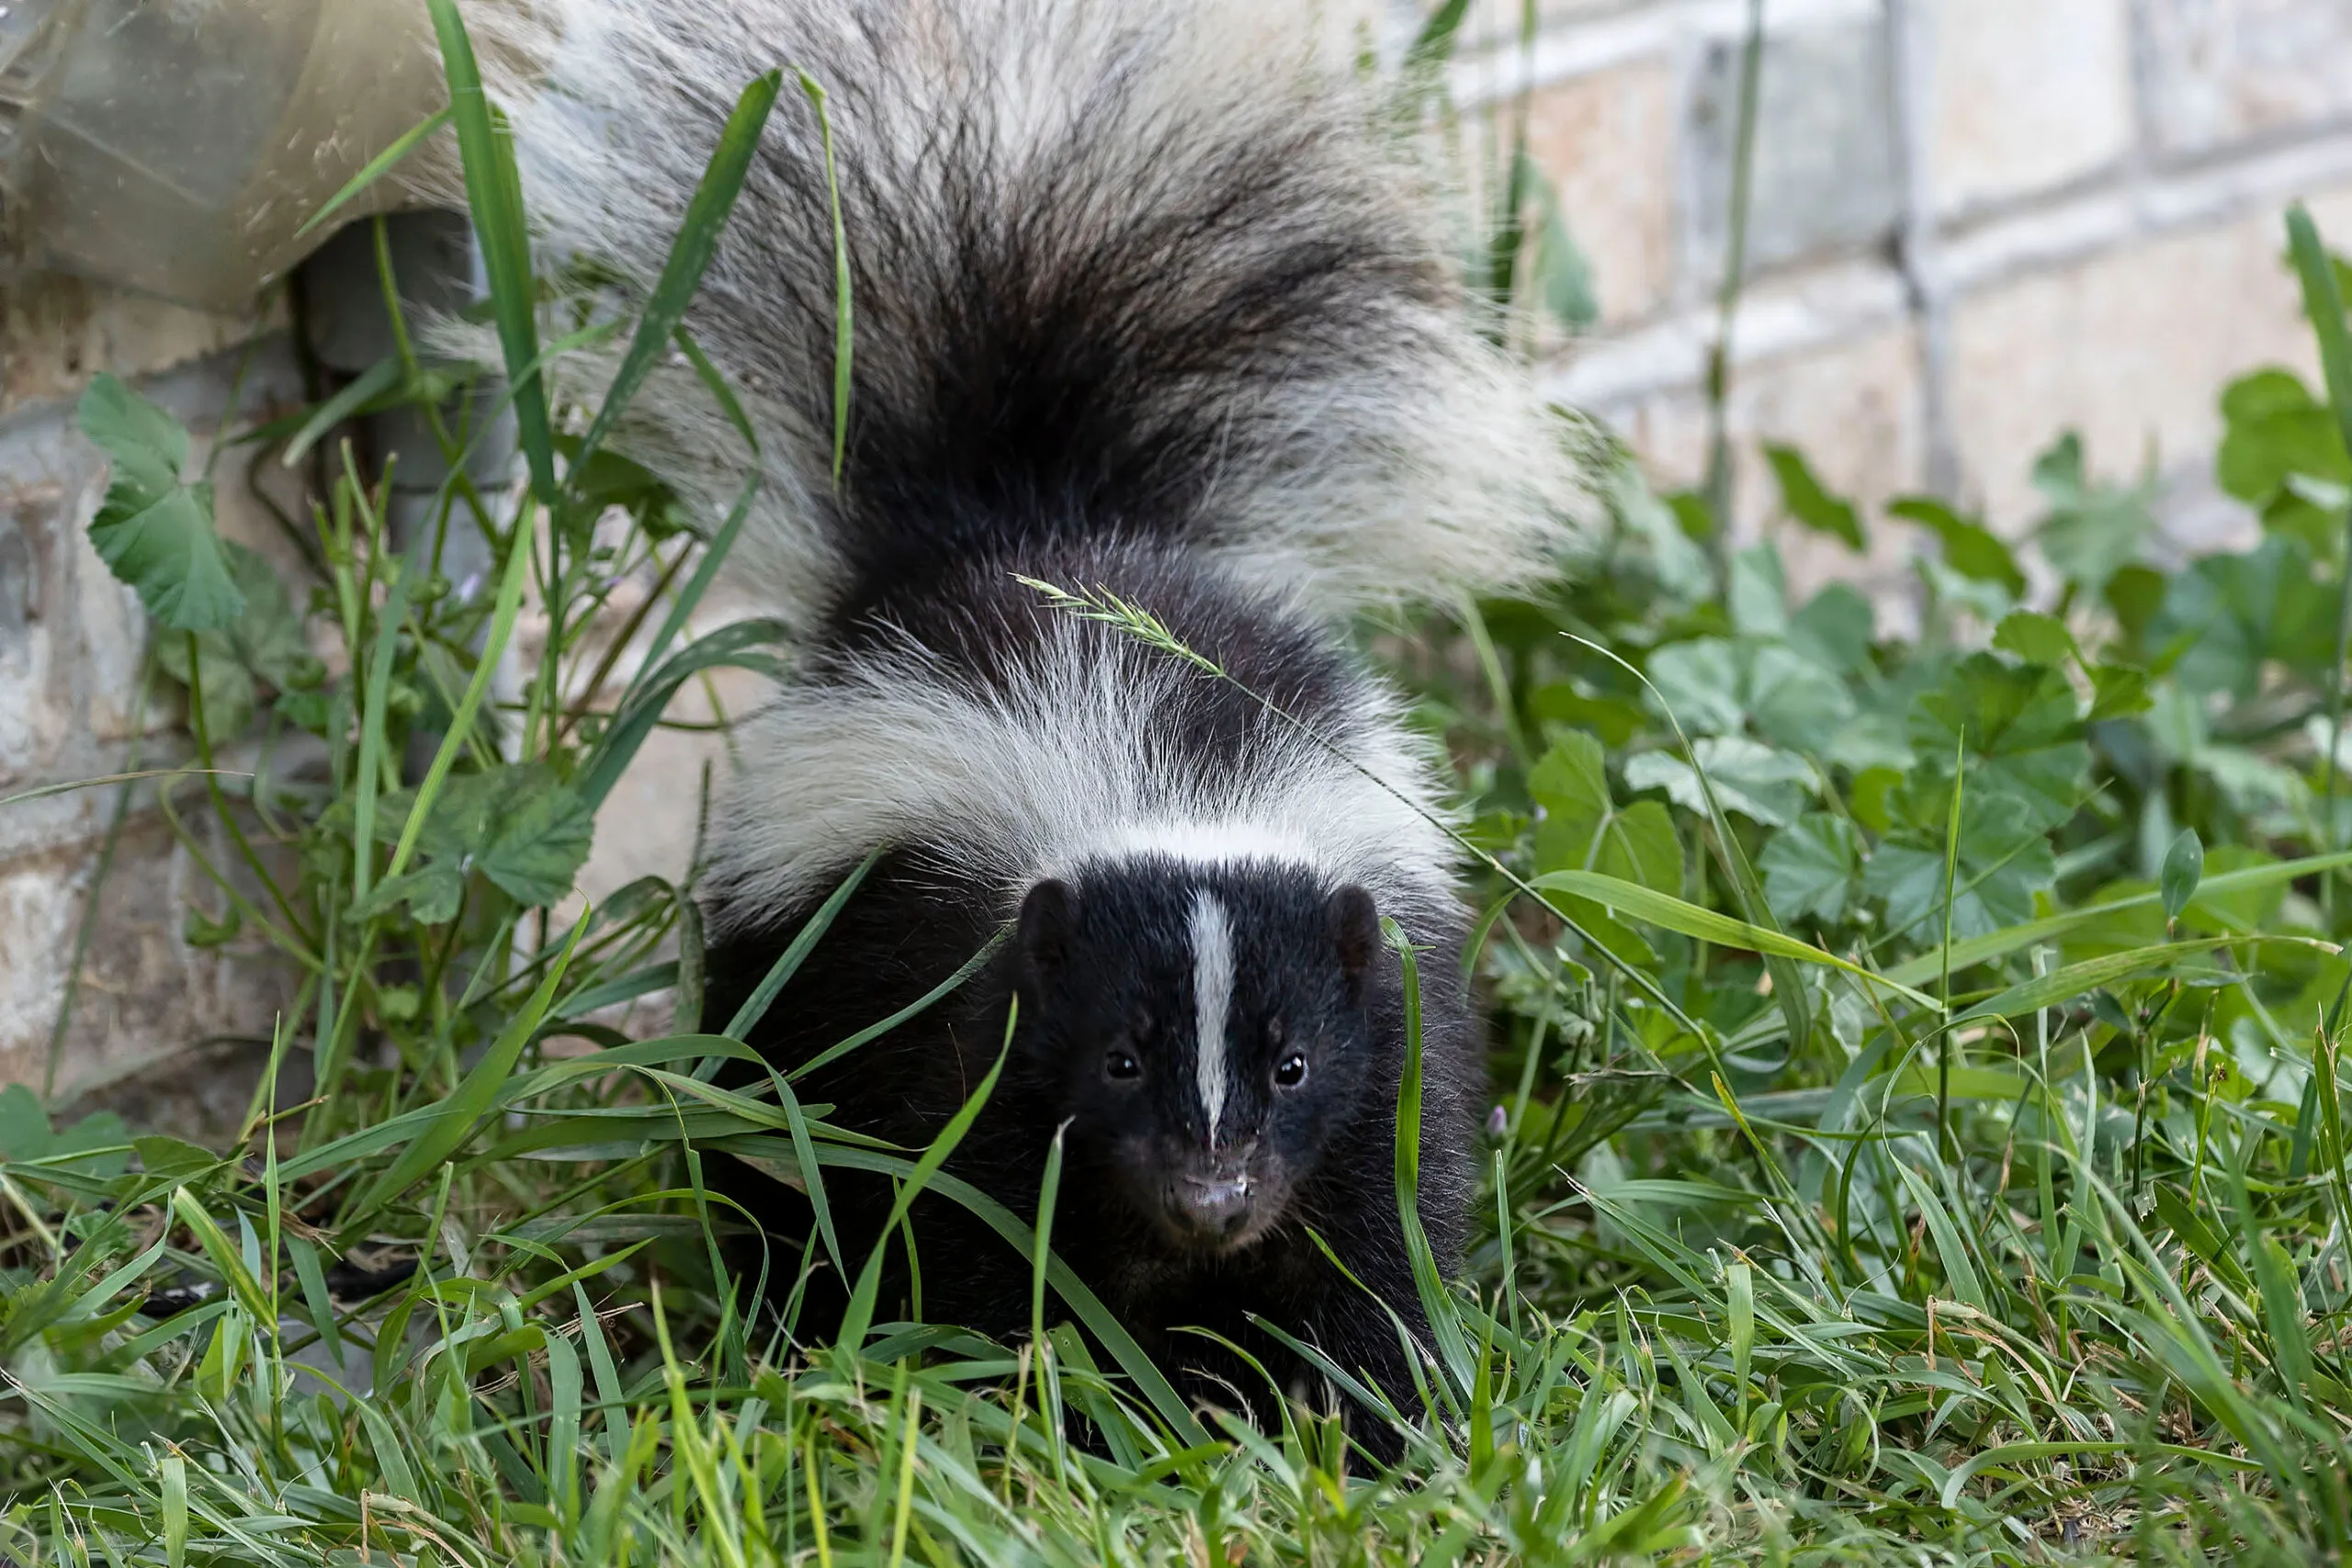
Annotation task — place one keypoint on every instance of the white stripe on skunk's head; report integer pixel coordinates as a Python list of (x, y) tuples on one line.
[(1212, 934)]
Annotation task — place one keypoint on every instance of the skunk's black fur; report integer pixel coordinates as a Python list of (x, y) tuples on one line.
[(1145, 305)]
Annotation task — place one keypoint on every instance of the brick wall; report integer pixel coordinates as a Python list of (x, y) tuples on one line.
[(1977, 222), (72, 655)]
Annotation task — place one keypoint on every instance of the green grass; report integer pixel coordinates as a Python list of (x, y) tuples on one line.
[(1920, 1127)]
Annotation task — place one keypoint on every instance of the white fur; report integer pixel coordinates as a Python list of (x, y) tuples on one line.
[(1072, 766), (1213, 973), (1428, 465)]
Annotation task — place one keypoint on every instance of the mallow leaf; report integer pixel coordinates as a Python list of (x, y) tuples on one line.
[(1804, 498), (264, 643), (1970, 548), (2093, 530), (1715, 687), (1758, 781), (2018, 727), (154, 530), (2236, 612), (519, 825), (1813, 869), (2005, 857), (1583, 828), (2035, 637)]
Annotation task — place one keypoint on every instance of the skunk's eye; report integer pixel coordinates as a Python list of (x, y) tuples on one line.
[(1121, 1063), (1291, 1071)]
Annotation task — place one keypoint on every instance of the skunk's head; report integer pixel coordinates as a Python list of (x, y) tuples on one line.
[(1208, 1032)]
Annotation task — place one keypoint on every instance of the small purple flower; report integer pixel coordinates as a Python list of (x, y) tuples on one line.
[(469, 588), (1497, 1121)]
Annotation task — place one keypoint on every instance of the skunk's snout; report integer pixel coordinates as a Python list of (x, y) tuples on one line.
[(1219, 1201), (1214, 1207)]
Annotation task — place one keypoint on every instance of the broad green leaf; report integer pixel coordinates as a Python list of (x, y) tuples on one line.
[(1758, 781), (2118, 691), (175, 1160), (1758, 593), (2004, 860), (518, 825), (2183, 868), (265, 643), (154, 530), (2035, 637), (1583, 828), (2093, 530), (2273, 432), (2020, 729), (2236, 612), (433, 893), (1804, 497), (1970, 548), (1835, 629), (1715, 687), (1813, 868)]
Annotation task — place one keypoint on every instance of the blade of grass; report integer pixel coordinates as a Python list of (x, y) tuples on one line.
[(690, 254), (454, 1120), (1437, 1304), (382, 163), (1708, 925), (494, 191), (860, 1312), (2324, 303), (841, 316)]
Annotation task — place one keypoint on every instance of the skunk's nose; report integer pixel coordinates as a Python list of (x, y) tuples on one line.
[(1213, 1205)]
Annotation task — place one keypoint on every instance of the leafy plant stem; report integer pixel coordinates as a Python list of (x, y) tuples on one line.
[(1719, 496), (2324, 304)]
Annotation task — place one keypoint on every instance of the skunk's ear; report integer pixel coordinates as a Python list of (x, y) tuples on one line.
[(1049, 920), (1355, 934)]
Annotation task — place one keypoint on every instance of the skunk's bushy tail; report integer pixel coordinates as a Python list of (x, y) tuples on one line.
[(1118, 265)]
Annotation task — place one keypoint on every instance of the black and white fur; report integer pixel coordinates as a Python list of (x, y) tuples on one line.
[(1148, 302)]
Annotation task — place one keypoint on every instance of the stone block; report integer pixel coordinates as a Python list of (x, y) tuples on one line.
[(648, 824), (57, 332), (46, 475), (1606, 142), (1826, 172), (1856, 411), (2026, 95), (146, 995), (2130, 347), (2215, 72)]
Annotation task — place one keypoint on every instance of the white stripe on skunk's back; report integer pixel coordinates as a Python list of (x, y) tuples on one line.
[(1079, 759)]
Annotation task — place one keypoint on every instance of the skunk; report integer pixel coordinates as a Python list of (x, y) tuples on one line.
[(1151, 305)]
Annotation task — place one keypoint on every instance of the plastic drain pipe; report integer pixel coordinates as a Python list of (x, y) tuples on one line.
[(177, 146)]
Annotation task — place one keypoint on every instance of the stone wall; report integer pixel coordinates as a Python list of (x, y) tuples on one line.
[(72, 659), (1977, 222)]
